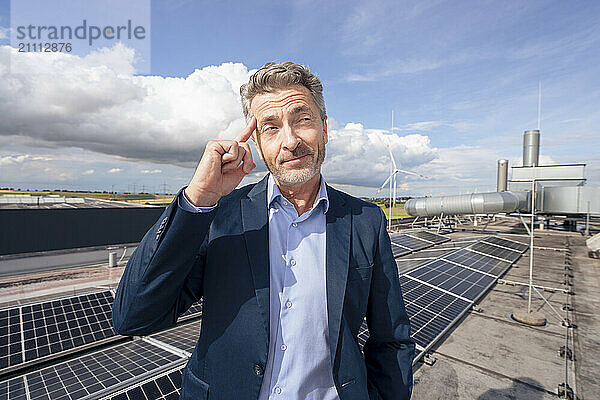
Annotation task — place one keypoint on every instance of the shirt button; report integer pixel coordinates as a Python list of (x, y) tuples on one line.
[(293, 262), (285, 203), (283, 347), (278, 390), (258, 370), (294, 225), (288, 304)]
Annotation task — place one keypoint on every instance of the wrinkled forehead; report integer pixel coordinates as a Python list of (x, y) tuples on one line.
[(276, 104)]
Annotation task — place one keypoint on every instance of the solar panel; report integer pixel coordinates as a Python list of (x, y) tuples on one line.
[(431, 311), (194, 311), (496, 251), (13, 389), (183, 337), (429, 236), (462, 282), (11, 350), (166, 386), (511, 244), (410, 242), (399, 251), (98, 371), (59, 325), (479, 262)]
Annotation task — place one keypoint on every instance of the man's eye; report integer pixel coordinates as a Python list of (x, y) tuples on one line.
[(269, 128)]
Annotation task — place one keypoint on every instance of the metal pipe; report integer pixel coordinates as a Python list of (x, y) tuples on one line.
[(531, 245), (476, 203), (531, 148), (501, 184)]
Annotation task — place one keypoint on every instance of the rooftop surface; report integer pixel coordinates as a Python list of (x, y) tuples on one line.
[(26, 201), (487, 355)]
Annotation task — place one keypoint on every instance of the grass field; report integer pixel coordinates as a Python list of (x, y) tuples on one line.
[(163, 199), (397, 212)]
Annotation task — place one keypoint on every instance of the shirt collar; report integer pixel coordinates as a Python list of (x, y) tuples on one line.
[(273, 193)]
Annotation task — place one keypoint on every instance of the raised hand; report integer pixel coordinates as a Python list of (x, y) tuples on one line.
[(222, 167)]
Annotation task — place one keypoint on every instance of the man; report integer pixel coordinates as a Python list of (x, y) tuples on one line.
[(288, 268)]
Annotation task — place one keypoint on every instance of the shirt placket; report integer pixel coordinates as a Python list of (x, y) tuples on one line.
[(286, 301)]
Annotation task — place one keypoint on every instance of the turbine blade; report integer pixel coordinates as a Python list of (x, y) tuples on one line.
[(391, 155), (412, 173), (384, 183)]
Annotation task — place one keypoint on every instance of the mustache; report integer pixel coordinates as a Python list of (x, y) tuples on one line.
[(299, 151)]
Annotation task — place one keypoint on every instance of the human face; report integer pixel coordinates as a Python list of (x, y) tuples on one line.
[(290, 134)]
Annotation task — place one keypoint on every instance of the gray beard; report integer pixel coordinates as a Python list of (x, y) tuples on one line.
[(295, 177)]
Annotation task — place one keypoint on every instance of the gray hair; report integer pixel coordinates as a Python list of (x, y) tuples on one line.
[(274, 76)]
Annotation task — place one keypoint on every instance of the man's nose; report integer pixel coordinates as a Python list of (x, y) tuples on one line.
[(290, 139)]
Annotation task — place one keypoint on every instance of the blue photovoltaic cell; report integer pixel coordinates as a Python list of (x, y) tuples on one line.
[(13, 389), (195, 310), (511, 244), (183, 337), (59, 325), (11, 352), (164, 387), (410, 242), (479, 262), (455, 279), (399, 251), (98, 371), (500, 252), (429, 236), (431, 311)]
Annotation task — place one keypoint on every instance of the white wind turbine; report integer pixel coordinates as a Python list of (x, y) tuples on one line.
[(392, 178)]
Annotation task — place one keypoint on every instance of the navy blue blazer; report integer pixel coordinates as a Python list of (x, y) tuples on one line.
[(223, 257)]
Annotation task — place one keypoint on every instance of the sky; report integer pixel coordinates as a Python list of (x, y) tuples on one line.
[(462, 78)]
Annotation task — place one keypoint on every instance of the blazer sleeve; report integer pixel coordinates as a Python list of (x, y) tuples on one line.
[(389, 351), (163, 277)]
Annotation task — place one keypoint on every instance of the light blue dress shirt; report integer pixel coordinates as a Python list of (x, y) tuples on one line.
[(299, 363)]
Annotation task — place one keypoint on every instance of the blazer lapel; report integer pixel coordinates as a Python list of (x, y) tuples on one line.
[(337, 256), (256, 234)]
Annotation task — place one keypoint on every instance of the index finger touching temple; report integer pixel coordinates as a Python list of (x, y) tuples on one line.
[(247, 132)]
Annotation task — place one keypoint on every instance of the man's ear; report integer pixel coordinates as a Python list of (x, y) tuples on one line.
[(325, 129)]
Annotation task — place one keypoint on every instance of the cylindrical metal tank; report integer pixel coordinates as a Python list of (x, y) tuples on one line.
[(501, 184), (531, 148), (476, 203)]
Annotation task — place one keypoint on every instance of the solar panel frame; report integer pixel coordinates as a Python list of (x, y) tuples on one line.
[(11, 338), (410, 242), (165, 386), (460, 281), (429, 236), (194, 311), (496, 251), (103, 371), (477, 261), (184, 337), (57, 327), (503, 242), (13, 389)]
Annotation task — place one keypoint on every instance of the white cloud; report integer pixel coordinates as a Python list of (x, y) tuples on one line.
[(114, 170), (21, 159), (96, 103), (4, 32), (88, 172), (359, 156)]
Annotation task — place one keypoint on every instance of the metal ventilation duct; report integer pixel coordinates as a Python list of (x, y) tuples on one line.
[(476, 203), (531, 148), (501, 184)]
